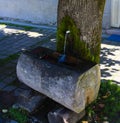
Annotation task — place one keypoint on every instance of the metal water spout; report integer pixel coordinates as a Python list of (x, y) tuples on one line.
[(63, 56), (66, 34)]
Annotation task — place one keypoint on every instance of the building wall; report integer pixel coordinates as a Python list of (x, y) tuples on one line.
[(107, 15), (35, 11), (39, 11)]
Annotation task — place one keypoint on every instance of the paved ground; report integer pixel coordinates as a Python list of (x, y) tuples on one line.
[(13, 39), (110, 61)]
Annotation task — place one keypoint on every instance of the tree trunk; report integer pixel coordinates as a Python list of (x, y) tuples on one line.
[(84, 20)]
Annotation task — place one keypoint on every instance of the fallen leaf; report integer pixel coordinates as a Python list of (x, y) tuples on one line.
[(84, 121), (104, 97), (101, 105)]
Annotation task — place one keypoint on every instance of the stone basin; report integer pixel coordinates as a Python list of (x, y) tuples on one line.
[(74, 83)]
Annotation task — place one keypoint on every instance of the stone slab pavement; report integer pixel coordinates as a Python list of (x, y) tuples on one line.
[(110, 60), (13, 39)]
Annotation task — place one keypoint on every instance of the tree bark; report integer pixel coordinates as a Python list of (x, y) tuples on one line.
[(84, 20)]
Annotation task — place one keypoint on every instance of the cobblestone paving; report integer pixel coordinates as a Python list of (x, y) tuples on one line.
[(12, 40)]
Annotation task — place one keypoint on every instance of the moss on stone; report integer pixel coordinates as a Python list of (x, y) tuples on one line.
[(75, 46)]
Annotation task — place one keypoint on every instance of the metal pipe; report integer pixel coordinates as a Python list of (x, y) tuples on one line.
[(66, 34)]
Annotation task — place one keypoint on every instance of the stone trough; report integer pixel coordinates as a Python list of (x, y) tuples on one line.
[(74, 83)]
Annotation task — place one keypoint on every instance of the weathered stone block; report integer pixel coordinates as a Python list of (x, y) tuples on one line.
[(30, 102), (63, 115), (72, 88)]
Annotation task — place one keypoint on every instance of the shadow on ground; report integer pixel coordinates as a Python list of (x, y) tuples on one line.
[(110, 63)]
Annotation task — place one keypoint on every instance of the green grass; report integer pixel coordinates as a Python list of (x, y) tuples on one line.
[(110, 96), (27, 28), (9, 58), (106, 105), (2, 24), (19, 115)]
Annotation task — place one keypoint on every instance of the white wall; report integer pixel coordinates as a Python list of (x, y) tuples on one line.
[(107, 15), (115, 13), (40, 11), (35, 11)]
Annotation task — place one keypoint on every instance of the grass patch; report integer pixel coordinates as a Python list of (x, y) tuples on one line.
[(19, 115), (3, 24), (27, 28), (9, 58), (107, 105)]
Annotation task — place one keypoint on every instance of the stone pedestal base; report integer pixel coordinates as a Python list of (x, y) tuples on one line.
[(63, 115)]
